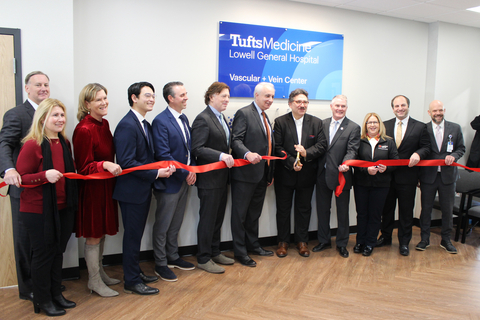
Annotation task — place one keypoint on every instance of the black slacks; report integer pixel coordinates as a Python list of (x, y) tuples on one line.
[(47, 259), (369, 202), (302, 211), (212, 211)]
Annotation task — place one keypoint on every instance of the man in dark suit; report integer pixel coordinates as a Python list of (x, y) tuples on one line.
[(16, 123), (343, 137), (133, 145), (301, 137), (446, 142), (172, 141), (412, 142), (211, 143), (251, 138)]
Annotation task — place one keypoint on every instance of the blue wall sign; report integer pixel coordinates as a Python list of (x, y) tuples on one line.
[(288, 58)]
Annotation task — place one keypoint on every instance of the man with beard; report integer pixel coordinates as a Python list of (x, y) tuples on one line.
[(446, 141)]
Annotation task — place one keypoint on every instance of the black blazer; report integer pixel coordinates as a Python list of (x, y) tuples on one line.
[(16, 123), (314, 142), (415, 140), (248, 134), (208, 142), (133, 150), (385, 149), (344, 147), (449, 174), (474, 158)]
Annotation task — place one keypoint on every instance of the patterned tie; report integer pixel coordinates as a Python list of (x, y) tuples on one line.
[(224, 125), (332, 133), (268, 136), (439, 139), (187, 133), (398, 136)]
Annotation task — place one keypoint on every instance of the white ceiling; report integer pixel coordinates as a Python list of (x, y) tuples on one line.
[(452, 11)]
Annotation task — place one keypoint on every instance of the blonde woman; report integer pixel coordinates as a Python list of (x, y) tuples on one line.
[(98, 212), (48, 210)]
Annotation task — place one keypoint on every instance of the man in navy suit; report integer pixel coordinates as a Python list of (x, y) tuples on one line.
[(172, 141), (16, 123), (446, 142), (412, 142), (301, 137), (252, 137), (133, 145), (343, 141), (211, 143)]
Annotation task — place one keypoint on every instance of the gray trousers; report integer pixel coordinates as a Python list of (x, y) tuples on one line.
[(168, 220), (446, 195)]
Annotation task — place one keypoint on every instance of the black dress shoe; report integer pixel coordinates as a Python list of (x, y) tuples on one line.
[(141, 289), (358, 248), (382, 241), (26, 296), (343, 251), (246, 261), (448, 246), (261, 252), (322, 246), (148, 279), (367, 251), (50, 309), (63, 288), (404, 250), (63, 303)]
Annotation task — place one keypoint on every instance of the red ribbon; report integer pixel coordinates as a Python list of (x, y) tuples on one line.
[(391, 162), (155, 166)]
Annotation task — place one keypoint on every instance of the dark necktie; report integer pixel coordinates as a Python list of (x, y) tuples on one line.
[(187, 133), (268, 136), (146, 127)]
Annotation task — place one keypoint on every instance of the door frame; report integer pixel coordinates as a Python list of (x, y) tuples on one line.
[(17, 53)]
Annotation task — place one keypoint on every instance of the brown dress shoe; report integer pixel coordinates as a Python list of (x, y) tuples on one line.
[(303, 249), (282, 249)]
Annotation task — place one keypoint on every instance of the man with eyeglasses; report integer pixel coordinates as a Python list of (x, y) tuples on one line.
[(301, 137), (133, 146), (172, 142), (343, 141), (412, 142)]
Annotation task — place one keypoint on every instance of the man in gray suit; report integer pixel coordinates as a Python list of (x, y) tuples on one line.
[(446, 141), (343, 139), (16, 123), (251, 138)]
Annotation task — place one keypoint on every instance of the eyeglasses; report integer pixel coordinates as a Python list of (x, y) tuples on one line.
[(372, 122), (300, 102), (149, 95)]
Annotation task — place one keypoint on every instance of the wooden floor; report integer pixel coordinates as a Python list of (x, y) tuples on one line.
[(426, 285)]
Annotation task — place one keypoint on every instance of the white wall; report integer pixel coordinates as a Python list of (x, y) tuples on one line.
[(117, 43)]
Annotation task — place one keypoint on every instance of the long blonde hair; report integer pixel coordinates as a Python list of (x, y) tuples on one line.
[(37, 130), (88, 94), (381, 132)]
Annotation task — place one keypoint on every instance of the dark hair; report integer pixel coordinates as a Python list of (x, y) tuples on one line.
[(215, 87), (401, 95), (297, 92), (34, 73), (168, 89), (136, 88)]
